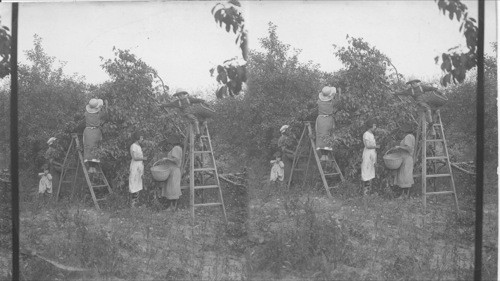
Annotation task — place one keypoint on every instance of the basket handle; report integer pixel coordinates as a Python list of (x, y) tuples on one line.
[(394, 148), (154, 164)]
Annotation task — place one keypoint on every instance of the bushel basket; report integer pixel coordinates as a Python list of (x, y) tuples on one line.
[(160, 172), (435, 99), (392, 161)]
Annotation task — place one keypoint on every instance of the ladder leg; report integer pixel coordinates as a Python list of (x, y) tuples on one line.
[(424, 160), (216, 174), (74, 180), (308, 167), (295, 159), (445, 147), (64, 169), (191, 171)]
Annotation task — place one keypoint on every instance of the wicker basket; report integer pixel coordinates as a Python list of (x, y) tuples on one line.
[(160, 172), (392, 161), (435, 99)]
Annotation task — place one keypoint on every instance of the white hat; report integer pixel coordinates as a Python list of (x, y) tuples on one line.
[(94, 105), (51, 140), (180, 91), (327, 93), (283, 128)]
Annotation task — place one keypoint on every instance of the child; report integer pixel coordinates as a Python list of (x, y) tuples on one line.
[(45, 184), (277, 171)]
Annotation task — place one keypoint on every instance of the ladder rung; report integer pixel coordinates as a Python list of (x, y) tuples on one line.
[(208, 204), (436, 157), (98, 186), (204, 169), (438, 175), (101, 199), (206, 186), (436, 124), (332, 174), (204, 136), (434, 140), (439, 192)]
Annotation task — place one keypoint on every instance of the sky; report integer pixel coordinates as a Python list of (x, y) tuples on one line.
[(182, 41)]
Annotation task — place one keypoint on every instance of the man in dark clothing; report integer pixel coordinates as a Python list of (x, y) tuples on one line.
[(194, 109)]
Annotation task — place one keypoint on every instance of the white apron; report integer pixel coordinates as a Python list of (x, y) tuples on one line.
[(136, 169), (369, 157)]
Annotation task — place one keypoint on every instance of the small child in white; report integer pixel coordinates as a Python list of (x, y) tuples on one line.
[(277, 170), (45, 184)]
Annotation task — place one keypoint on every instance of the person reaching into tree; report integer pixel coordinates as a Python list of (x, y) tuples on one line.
[(369, 156), (95, 112), (194, 109), (325, 122), (417, 91)]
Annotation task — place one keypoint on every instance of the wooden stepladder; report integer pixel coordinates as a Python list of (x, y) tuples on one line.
[(73, 161), (327, 168), (199, 162), (434, 151)]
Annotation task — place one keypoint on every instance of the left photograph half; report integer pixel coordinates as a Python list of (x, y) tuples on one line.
[(121, 172)]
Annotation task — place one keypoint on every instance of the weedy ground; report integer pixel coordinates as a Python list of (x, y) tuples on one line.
[(273, 234)]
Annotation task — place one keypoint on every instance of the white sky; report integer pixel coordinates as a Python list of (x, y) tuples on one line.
[(182, 41)]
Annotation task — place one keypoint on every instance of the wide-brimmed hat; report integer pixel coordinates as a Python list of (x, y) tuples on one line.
[(94, 105), (283, 128), (179, 91), (327, 93), (413, 81), (51, 140)]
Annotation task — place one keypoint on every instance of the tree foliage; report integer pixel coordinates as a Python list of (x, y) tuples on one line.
[(456, 63), (48, 101), (133, 106), (232, 73), (5, 42)]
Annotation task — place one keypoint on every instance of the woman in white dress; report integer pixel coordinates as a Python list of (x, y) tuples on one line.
[(136, 167), (369, 156)]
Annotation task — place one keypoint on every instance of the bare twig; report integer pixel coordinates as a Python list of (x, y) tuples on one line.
[(454, 165), (230, 181)]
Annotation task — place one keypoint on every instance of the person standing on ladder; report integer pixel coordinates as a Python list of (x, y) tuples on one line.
[(325, 124), (136, 168), (417, 91), (369, 156), (286, 144), (92, 135), (52, 155), (194, 109), (404, 174)]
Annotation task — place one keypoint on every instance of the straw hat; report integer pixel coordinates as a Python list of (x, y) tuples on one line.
[(179, 91), (51, 140), (327, 93), (283, 128), (94, 105)]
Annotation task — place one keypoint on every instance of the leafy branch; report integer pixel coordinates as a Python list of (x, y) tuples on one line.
[(454, 62)]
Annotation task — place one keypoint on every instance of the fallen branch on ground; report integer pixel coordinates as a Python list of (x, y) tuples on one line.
[(454, 165), (31, 253)]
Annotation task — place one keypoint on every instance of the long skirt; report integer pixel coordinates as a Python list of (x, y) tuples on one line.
[(404, 175), (135, 176), (288, 161), (171, 188), (368, 164), (91, 142), (324, 126)]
